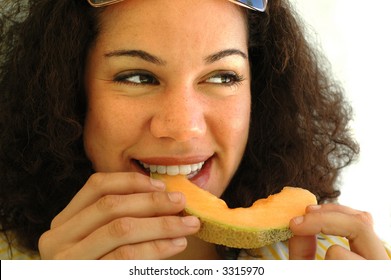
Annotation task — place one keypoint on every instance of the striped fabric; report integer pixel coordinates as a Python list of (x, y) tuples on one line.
[(279, 251), (15, 254)]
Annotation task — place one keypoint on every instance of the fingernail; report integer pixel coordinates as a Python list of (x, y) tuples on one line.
[(191, 221), (175, 196), (157, 184), (180, 242), (298, 220)]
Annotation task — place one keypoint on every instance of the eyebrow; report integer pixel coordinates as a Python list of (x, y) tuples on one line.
[(224, 53), (156, 60), (137, 53)]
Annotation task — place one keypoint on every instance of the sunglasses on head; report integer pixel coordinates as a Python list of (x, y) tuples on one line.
[(258, 5)]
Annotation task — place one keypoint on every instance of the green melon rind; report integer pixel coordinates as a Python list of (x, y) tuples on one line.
[(235, 236), (250, 238)]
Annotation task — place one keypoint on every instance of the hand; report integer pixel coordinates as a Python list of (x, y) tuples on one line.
[(119, 216), (332, 219)]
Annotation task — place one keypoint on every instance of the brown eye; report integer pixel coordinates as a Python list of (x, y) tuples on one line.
[(136, 78), (224, 78)]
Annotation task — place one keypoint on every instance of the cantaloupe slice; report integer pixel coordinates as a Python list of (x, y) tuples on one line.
[(264, 223)]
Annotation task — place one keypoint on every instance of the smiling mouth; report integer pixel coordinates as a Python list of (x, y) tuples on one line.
[(189, 170)]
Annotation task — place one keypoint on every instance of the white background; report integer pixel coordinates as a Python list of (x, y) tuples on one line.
[(120, 270), (355, 35)]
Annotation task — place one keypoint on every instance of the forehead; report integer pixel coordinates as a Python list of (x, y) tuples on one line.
[(167, 24)]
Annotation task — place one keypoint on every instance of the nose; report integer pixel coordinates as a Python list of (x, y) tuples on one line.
[(180, 116)]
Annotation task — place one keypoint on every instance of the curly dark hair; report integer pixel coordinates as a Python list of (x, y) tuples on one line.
[(299, 131)]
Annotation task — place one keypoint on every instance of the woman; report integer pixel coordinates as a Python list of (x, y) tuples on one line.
[(94, 98)]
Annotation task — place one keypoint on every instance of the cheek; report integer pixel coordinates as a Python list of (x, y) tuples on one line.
[(110, 128), (234, 121), (230, 130)]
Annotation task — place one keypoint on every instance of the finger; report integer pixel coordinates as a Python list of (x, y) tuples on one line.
[(157, 249), (302, 247), (128, 231), (112, 207), (101, 184), (331, 207), (336, 252), (357, 228)]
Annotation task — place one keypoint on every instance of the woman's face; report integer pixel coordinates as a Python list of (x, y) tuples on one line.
[(168, 88)]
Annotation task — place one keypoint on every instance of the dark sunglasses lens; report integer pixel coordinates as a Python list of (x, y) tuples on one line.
[(258, 4), (98, 1)]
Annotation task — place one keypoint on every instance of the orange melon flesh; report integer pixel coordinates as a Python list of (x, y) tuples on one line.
[(265, 222)]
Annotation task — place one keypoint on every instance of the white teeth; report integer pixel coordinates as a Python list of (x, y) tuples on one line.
[(194, 167), (152, 168), (184, 169), (174, 169), (161, 169)]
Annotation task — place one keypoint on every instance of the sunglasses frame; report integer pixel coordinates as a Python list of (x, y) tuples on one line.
[(238, 2)]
